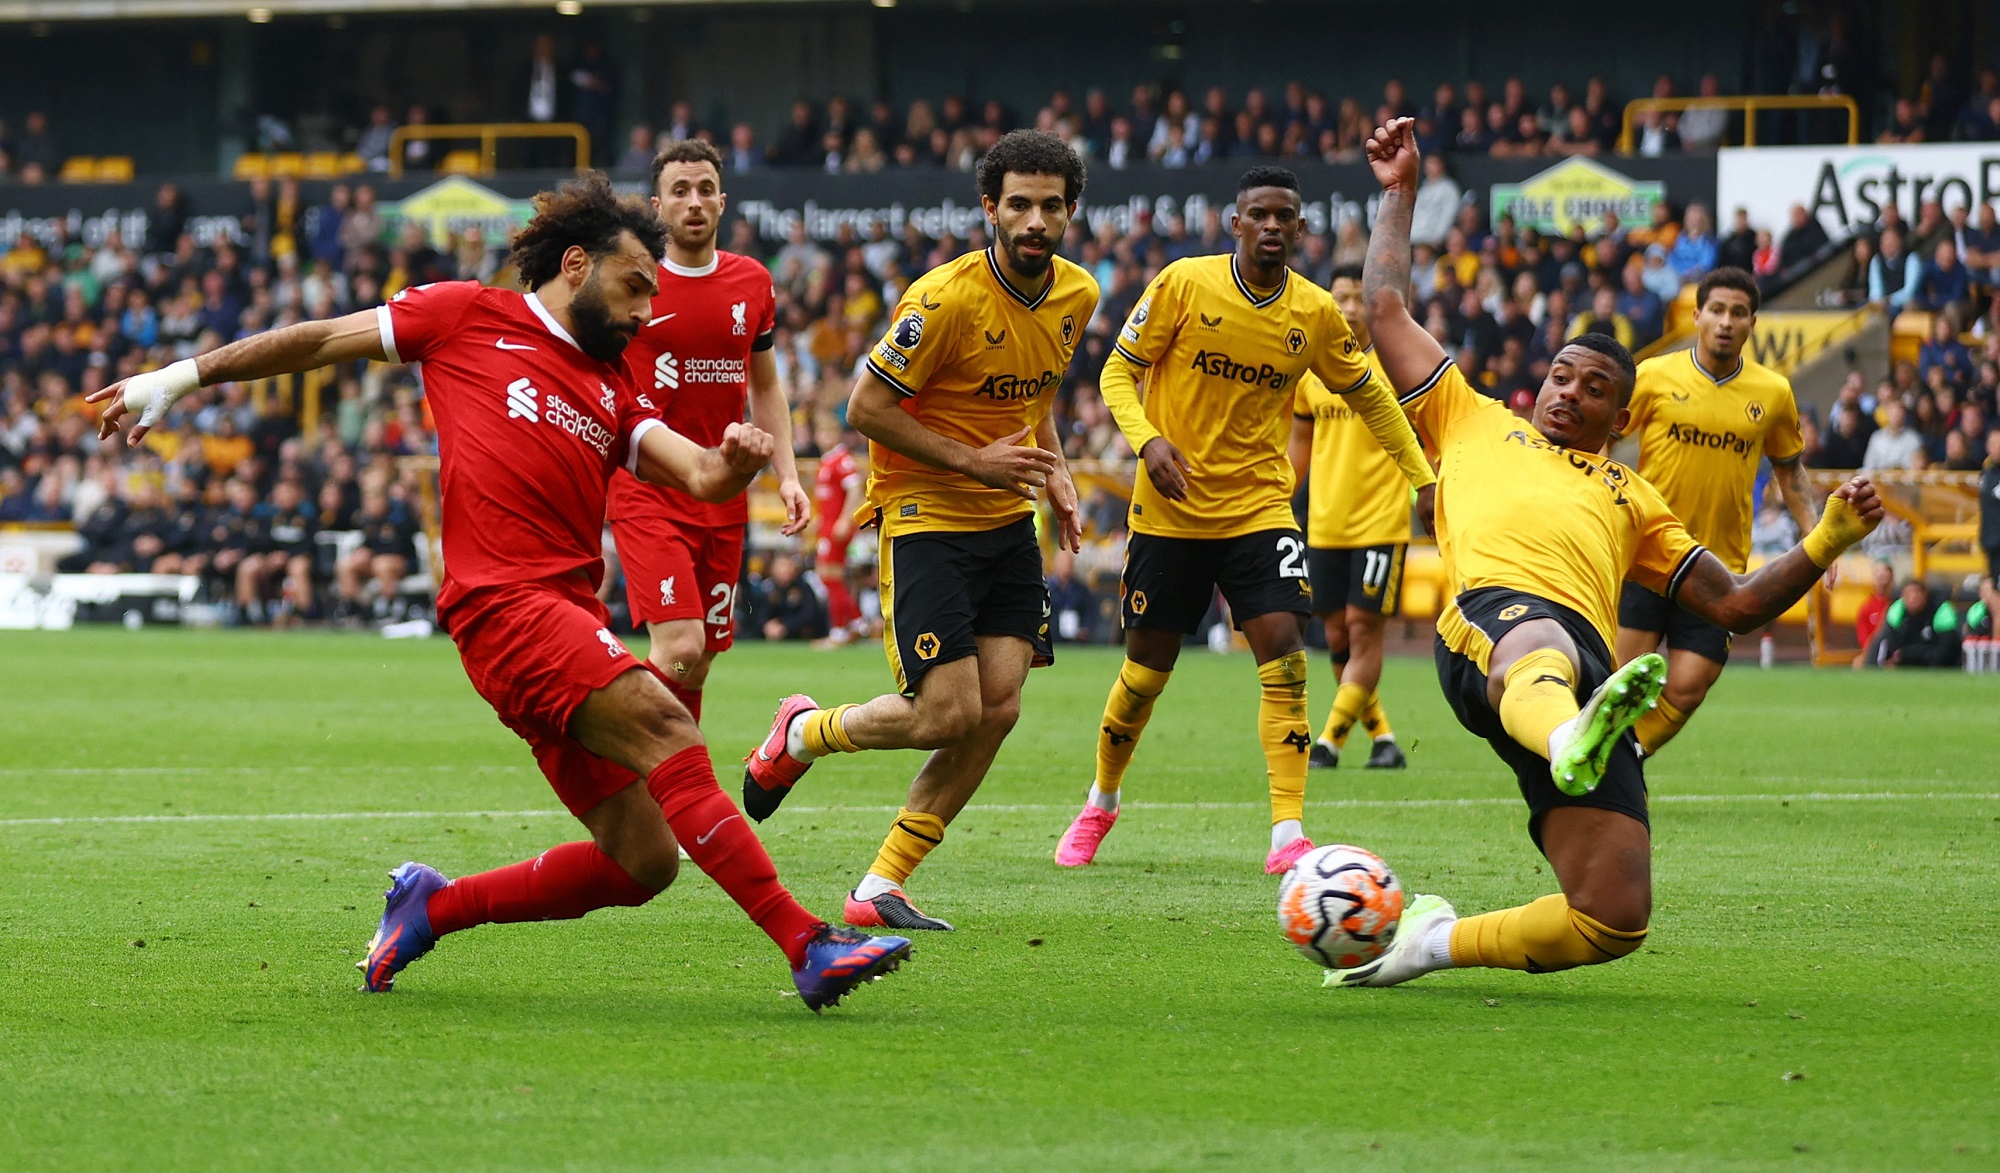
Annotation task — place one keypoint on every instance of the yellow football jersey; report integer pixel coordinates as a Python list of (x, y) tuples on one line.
[(1514, 510), (1699, 440), (1358, 496), (975, 361), (1222, 365)]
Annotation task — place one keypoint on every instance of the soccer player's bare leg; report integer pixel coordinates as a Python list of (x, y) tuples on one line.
[(679, 648), (635, 722), (1689, 677)]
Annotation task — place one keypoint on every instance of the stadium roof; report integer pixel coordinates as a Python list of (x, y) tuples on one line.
[(73, 10)]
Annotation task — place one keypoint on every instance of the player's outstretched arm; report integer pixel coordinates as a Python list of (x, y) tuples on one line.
[(876, 411), (305, 346), (1409, 354), (665, 457), (1744, 603)]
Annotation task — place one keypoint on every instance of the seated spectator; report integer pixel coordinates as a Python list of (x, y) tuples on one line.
[(1738, 249), (1944, 286), (1944, 351), (1702, 126), (282, 552), (1069, 600), (1959, 455), (1906, 125), (1982, 247), (1895, 445), (373, 145), (637, 161), (743, 153), (380, 563), (1603, 318), (1892, 275), (1981, 617), (1693, 253), (1920, 630), (1640, 305), (785, 605), (1804, 237), (1436, 205), (1657, 134), (1868, 617)]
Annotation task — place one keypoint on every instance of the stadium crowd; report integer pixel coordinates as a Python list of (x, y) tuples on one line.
[(285, 521)]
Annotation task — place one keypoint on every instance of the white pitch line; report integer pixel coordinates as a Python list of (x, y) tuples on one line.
[(1001, 808)]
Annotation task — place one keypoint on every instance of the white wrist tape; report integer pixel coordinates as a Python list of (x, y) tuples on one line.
[(148, 396)]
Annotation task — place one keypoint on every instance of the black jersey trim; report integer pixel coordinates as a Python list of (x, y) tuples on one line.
[(1120, 348), (1681, 572), (993, 265), (764, 341), (1694, 356), (1243, 287), (1424, 387), (890, 379)]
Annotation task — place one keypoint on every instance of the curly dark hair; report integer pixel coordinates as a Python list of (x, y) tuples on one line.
[(687, 150), (1729, 277), (1620, 357), (1267, 177), (1030, 152), (585, 212)]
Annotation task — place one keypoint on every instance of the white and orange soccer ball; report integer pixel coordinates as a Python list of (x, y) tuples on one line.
[(1340, 906)]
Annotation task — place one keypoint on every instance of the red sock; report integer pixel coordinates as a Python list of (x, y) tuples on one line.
[(840, 606), (719, 840), (561, 883), (690, 697)]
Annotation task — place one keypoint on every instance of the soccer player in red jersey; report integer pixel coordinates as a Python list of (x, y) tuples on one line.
[(704, 351), (837, 497), (534, 411)]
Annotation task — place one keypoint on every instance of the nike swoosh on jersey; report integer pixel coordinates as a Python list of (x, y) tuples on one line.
[(702, 840), (662, 318), (502, 344)]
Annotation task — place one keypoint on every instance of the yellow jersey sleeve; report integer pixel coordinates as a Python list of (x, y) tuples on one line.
[(1340, 362), (1783, 441), (1641, 408), (1663, 551), (920, 339), (1155, 320), (1437, 404)]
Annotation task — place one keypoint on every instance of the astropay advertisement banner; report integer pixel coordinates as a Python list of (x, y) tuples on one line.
[(1849, 186)]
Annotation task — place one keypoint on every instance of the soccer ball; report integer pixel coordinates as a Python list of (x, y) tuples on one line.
[(1340, 905)]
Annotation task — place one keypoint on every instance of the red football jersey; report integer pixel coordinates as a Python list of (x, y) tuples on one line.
[(530, 429), (693, 360), (837, 474)]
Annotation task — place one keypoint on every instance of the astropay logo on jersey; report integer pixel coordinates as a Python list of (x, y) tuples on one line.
[(670, 372)]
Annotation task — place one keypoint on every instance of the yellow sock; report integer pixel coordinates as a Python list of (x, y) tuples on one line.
[(1126, 712), (1542, 937), (1282, 729), (1348, 702), (825, 731), (1658, 727), (1540, 695), (1374, 720), (909, 841)]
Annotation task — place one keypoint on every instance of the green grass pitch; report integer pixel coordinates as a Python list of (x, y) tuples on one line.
[(1820, 989)]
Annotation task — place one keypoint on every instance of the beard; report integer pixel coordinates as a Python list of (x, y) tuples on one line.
[(1026, 266), (693, 239), (597, 335)]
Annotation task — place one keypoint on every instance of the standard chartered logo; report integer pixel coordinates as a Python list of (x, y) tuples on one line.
[(521, 396), (666, 372)]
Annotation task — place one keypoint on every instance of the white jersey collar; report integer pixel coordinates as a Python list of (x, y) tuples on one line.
[(692, 270), (549, 320)]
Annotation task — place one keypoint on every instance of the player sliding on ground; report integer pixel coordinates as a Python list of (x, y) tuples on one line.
[(956, 398), (1222, 343), (1357, 532), (534, 412), (1704, 417), (1539, 531), (704, 351)]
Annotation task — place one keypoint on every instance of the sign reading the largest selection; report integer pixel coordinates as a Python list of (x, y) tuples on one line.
[(1849, 186)]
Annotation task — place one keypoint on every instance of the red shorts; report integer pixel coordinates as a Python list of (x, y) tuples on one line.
[(675, 571), (535, 650), (831, 553)]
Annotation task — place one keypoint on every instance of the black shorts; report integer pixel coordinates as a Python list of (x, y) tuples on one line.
[(1369, 578), (1642, 610), (1169, 582), (942, 589), (1494, 611)]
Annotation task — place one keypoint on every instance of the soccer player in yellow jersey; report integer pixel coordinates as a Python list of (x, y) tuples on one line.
[(1539, 530), (1704, 417), (1221, 343), (1357, 531), (956, 401)]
